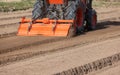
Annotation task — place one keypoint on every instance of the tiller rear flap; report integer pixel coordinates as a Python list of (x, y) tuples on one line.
[(45, 27)]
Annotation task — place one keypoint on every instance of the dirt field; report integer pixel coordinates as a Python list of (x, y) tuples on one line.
[(50, 55), (64, 60)]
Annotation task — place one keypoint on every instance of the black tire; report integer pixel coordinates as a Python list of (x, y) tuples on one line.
[(80, 18), (69, 14), (72, 13), (91, 19), (70, 10), (38, 9)]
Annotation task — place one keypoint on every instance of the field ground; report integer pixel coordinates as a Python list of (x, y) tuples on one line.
[(49, 55)]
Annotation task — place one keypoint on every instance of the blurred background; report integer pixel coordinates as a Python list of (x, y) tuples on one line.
[(14, 5)]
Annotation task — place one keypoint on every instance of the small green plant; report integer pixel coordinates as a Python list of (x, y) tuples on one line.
[(14, 6)]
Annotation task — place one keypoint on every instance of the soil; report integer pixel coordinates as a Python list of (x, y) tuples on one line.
[(63, 60), (48, 55)]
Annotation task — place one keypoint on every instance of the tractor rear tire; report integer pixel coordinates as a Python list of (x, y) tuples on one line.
[(69, 14), (75, 12), (91, 20), (38, 9), (70, 10), (80, 18)]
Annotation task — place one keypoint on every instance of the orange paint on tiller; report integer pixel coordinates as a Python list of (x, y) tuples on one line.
[(44, 27)]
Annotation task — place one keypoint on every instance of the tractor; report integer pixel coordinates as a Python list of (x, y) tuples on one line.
[(59, 18)]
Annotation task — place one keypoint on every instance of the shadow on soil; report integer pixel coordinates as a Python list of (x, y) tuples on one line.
[(106, 24), (103, 25)]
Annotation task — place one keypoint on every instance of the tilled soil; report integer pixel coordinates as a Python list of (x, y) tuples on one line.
[(65, 60), (15, 48)]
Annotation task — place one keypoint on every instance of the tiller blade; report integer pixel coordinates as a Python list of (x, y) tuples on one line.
[(44, 27)]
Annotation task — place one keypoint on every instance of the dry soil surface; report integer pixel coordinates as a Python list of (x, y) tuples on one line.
[(55, 54), (69, 58)]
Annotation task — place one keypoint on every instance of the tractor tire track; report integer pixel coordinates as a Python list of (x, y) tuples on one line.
[(93, 66)]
